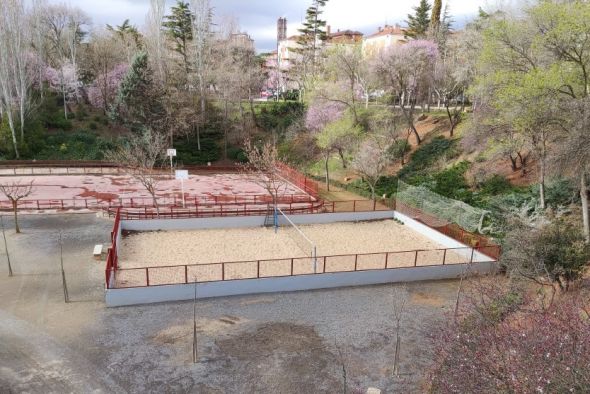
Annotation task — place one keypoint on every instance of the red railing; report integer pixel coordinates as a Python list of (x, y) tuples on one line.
[(173, 201), (112, 254), (297, 266), (212, 210), (306, 184)]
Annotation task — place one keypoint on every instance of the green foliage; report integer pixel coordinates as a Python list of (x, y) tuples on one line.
[(495, 185), (425, 156), (92, 126), (51, 115), (387, 185), (419, 22), (280, 115), (139, 102), (451, 183), (237, 154), (80, 145), (398, 148), (188, 152)]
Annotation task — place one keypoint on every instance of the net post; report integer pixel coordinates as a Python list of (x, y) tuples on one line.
[(315, 260)]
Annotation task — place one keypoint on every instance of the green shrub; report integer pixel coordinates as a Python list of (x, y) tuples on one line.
[(452, 183), (92, 126), (188, 152), (237, 154), (495, 185), (426, 155)]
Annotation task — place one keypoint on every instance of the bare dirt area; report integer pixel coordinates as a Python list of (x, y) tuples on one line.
[(273, 343)]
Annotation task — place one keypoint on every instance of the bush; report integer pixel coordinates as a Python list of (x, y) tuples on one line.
[(555, 252), (495, 185), (451, 183), (188, 152), (425, 156), (92, 126), (237, 154)]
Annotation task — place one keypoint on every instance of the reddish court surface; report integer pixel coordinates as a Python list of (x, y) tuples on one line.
[(121, 186)]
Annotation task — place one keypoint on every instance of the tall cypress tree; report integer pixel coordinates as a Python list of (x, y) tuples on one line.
[(435, 18), (419, 23), (178, 25)]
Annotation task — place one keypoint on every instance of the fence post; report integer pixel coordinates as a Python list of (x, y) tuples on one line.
[(222, 271), (324, 270), (374, 205), (356, 257), (416, 258), (444, 257), (147, 276), (186, 274), (291, 267), (386, 259), (354, 206), (258, 269)]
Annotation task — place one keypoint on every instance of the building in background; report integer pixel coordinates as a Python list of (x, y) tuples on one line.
[(385, 37)]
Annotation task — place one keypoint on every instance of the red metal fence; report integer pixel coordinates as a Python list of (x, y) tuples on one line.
[(306, 184), (275, 268), (164, 202), (112, 254)]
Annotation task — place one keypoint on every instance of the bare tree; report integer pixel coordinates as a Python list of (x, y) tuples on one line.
[(264, 168), (202, 42), (15, 78), (370, 163), (16, 191), (139, 157), (155, 38)]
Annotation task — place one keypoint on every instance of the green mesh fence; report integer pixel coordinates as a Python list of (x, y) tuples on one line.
[(442, 208)]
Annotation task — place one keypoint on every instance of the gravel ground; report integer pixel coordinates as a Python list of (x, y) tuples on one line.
[(278, 343)]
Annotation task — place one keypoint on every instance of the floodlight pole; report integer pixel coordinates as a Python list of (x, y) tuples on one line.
[(6, 246)]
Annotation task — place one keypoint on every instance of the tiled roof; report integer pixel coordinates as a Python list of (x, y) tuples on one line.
[(388, 30)]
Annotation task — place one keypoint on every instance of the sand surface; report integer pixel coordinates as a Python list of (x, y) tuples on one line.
[(390, 244)]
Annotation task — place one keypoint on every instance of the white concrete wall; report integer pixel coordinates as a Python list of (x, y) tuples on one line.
[(248, 221), (148, 295), (440, 238)]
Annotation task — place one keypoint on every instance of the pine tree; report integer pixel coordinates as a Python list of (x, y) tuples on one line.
[(179, 26), (139, 102), (419, 23), (313, 33)]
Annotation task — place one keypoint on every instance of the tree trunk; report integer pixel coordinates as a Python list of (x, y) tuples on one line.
[(15, 209), (254, 117), (327, 171), (584, 198), (542, 175), (198, 138), (513, 163), (225, 123), (341, 154), (451, 120)]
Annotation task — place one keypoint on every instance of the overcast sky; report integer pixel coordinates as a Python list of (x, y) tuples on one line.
[(258, 17)]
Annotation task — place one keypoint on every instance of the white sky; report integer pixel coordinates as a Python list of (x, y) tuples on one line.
[(258, 17)]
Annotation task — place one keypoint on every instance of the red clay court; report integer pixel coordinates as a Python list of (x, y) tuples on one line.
[(113, 187)]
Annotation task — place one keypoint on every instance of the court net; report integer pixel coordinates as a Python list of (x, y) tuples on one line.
[(306, 245)]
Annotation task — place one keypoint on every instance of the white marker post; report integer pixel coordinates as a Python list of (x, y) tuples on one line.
[(182, 175), (171, 153)]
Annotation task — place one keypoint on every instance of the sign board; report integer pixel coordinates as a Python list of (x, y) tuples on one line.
[(171, 152), (181, 175)]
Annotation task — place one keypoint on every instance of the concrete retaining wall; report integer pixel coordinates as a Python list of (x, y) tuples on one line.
[(248, 221), (148, 295)]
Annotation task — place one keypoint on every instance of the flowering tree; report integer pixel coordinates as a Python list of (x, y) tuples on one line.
[(64, 81), (503, 342), (408, 72), (104, 89), (370, 163)]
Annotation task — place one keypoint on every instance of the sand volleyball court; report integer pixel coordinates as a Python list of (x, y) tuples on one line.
[(260, 252)]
